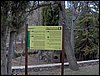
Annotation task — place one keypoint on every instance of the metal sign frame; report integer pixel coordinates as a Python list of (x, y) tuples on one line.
[(26, 51)]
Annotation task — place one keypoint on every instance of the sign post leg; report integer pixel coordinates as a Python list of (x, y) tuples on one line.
[(26, 51), (62, 53), (62, 65)]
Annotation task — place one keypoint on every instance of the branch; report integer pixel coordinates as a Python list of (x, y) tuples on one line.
[(42, 5), (36, 7), (79, 14), (97, 4)]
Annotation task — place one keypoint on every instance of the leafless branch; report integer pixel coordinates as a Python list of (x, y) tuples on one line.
[(40, 5), (36, 7)]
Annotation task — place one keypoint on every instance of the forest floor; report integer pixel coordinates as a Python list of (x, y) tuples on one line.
[(86, 70), (33, 60)]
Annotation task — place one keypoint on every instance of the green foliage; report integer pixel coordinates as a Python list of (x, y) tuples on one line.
[(50, 16), (87, 37), (87, 40)]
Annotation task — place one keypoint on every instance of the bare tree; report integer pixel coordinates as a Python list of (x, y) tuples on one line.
[(4, 29), (67, 44)]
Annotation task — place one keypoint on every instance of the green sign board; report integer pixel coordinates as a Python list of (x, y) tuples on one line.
[(45, 37)]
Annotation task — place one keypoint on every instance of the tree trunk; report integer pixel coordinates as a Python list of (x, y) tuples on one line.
[(3, 54), (14, 48), (72, 34), (10, 52), (67, 44)]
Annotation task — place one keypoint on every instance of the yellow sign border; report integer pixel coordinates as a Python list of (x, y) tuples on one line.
[(31, 29)]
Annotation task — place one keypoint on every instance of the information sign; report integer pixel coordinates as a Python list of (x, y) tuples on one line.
[(45, 37)]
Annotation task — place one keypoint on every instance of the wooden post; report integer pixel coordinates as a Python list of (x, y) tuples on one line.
[(26, 51), (62, 55)]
